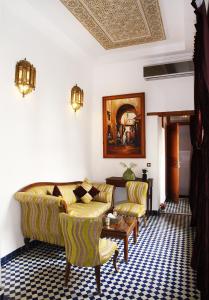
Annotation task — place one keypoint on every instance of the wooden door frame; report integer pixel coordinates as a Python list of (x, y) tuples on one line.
[(165, 116)]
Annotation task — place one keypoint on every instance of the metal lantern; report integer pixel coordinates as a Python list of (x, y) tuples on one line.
[(25, 77), (76, 98)]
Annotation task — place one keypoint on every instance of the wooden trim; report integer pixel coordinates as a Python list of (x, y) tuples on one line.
[(25, 188), (172, 113)]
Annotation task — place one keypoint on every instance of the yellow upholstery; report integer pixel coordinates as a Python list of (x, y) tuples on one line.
[(40, 212), (106, 192), (67, 192), (83, 245), (92, 209), (131, 209), (41, 190), (136, 204), (106, 249), (40, 217)]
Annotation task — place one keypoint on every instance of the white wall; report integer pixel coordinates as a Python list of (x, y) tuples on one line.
[(160, 95), (41, 137)]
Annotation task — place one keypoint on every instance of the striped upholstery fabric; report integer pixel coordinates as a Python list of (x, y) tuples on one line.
[(106, 192), (83, 245), (40, 212), (40, 217), (131, 209), (137, 191), (136, 204), (88, 210)]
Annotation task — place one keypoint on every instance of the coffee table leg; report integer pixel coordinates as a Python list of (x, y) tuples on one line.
[(126, 249)]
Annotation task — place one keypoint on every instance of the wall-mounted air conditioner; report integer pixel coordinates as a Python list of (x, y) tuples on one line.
[(161, 71)]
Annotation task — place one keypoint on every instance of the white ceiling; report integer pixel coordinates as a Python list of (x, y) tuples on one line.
[(178, 19)]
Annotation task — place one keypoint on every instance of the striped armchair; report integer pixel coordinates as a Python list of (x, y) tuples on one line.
[(136, 204), (83, 245)]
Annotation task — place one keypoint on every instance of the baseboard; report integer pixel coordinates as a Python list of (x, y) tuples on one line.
[(17, 252)]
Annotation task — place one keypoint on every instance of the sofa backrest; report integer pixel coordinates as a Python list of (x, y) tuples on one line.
[(66, 189), (41, 188)]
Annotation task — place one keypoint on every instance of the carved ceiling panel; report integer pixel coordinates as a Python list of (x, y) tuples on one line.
[(119, 23)]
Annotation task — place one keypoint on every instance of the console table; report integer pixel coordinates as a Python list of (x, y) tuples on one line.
[(120, 182)]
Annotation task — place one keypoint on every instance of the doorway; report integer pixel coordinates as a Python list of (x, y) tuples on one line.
[(178, 156)]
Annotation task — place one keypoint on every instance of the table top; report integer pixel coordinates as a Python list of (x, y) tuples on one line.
[(125, 225), (120, 182)]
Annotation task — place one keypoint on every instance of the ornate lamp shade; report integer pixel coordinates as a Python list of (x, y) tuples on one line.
[(25, 77), (76, 97)]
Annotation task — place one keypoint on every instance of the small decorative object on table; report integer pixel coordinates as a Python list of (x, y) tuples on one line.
[(128, 174), (114, 218), (144, 174)]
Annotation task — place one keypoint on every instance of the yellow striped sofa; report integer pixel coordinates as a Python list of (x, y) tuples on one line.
[(40, 212)]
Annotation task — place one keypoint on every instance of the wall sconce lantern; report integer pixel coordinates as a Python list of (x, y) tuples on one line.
[(76, 98), (25, 77)]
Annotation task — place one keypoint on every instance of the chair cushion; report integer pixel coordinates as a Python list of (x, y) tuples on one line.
[(106, 249), (92, 209), (86, 192), (130, 209)]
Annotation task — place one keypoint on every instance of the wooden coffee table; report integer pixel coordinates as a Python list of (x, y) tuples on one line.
[(121, 231)]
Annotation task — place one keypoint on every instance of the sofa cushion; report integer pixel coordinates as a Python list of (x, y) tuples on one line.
[(104, 197), (86, 192), (92, 209), (67, 192)]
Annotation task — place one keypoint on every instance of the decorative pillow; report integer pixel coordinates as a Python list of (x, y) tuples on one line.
[(104, 197), (86, 192), (56, 192)]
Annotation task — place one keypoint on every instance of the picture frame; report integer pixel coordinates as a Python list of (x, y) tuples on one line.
[(124, 126)]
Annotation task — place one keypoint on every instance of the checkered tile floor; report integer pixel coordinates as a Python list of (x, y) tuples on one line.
[(182, 207), (158, 268)]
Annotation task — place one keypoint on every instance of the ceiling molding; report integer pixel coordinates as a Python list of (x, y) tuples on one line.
[(128, 23)]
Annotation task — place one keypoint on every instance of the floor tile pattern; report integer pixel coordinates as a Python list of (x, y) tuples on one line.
[(182, 207), (158, 268)]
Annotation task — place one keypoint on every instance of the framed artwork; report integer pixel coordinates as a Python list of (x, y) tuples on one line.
[(124, 126)]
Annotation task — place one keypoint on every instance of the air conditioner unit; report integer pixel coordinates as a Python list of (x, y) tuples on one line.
[(168, 70)]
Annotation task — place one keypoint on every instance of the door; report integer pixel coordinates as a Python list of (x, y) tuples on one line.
[(172, 161)]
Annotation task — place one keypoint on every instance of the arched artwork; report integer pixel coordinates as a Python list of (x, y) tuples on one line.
[(124, 126)]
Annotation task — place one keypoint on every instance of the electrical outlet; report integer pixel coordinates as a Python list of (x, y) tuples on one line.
[(148, 165)]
